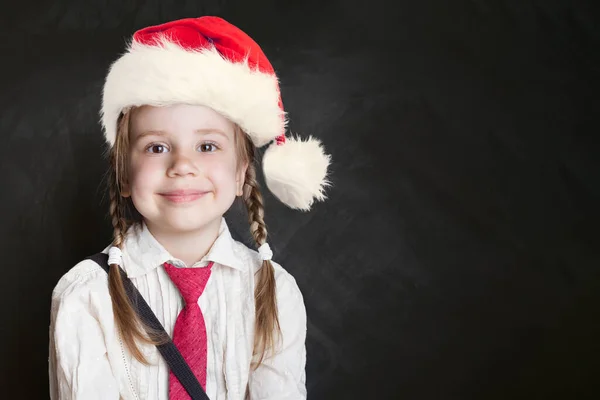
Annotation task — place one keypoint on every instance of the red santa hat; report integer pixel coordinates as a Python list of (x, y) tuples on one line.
[(208, 61)]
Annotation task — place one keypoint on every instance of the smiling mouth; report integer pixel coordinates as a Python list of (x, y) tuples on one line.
[(182, 196)]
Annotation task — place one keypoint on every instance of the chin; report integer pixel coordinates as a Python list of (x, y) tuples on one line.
[(188, 220), (185, 224)]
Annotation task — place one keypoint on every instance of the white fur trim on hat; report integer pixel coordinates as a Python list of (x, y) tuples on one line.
[(166, 73), (296, 172)]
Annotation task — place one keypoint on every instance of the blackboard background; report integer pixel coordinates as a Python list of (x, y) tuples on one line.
[(457, 256)]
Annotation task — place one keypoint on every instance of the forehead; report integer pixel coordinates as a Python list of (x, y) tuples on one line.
[(179, 119)]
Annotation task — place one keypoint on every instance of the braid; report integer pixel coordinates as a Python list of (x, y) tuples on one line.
[(254, 205), (267, 321), (117, 214), (127, 321)]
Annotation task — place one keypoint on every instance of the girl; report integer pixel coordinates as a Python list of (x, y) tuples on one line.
[(183, 111)]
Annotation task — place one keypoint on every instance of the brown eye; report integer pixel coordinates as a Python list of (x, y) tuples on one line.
[(208, 147), (156, 148)]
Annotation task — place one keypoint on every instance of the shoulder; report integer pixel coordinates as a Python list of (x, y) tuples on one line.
[(81, 314), (84, 279)]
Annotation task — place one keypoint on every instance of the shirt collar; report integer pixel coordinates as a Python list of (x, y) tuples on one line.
[(142, 253)]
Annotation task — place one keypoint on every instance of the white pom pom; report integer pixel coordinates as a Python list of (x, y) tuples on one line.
[(296, 172)]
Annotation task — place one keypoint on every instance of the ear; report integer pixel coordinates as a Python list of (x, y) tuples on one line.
[(240, 179)]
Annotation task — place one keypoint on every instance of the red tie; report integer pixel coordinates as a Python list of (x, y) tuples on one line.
[(189, 334)]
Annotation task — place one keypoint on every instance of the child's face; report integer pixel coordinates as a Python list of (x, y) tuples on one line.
[(183, 172)]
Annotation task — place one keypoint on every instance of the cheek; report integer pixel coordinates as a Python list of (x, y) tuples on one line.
[(144, 176), (222, 173)]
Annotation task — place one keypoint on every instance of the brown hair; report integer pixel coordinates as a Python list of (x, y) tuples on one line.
[(123, 216)]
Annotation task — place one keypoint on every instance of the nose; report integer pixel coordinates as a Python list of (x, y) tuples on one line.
[(181, 164)]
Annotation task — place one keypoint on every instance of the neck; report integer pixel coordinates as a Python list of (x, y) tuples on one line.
[(188, 246)]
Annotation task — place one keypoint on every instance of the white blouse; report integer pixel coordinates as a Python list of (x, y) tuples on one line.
[(88, 360)]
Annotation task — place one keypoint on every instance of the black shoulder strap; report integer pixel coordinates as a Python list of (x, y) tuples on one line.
[(168, 350)]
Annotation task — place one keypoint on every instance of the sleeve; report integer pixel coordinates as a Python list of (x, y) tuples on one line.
[(78, 363), (282, 376)]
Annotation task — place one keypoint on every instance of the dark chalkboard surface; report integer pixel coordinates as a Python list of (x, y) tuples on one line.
[(457, 256)]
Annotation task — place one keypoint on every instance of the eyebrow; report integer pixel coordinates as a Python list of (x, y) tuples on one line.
[(204, 131)]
